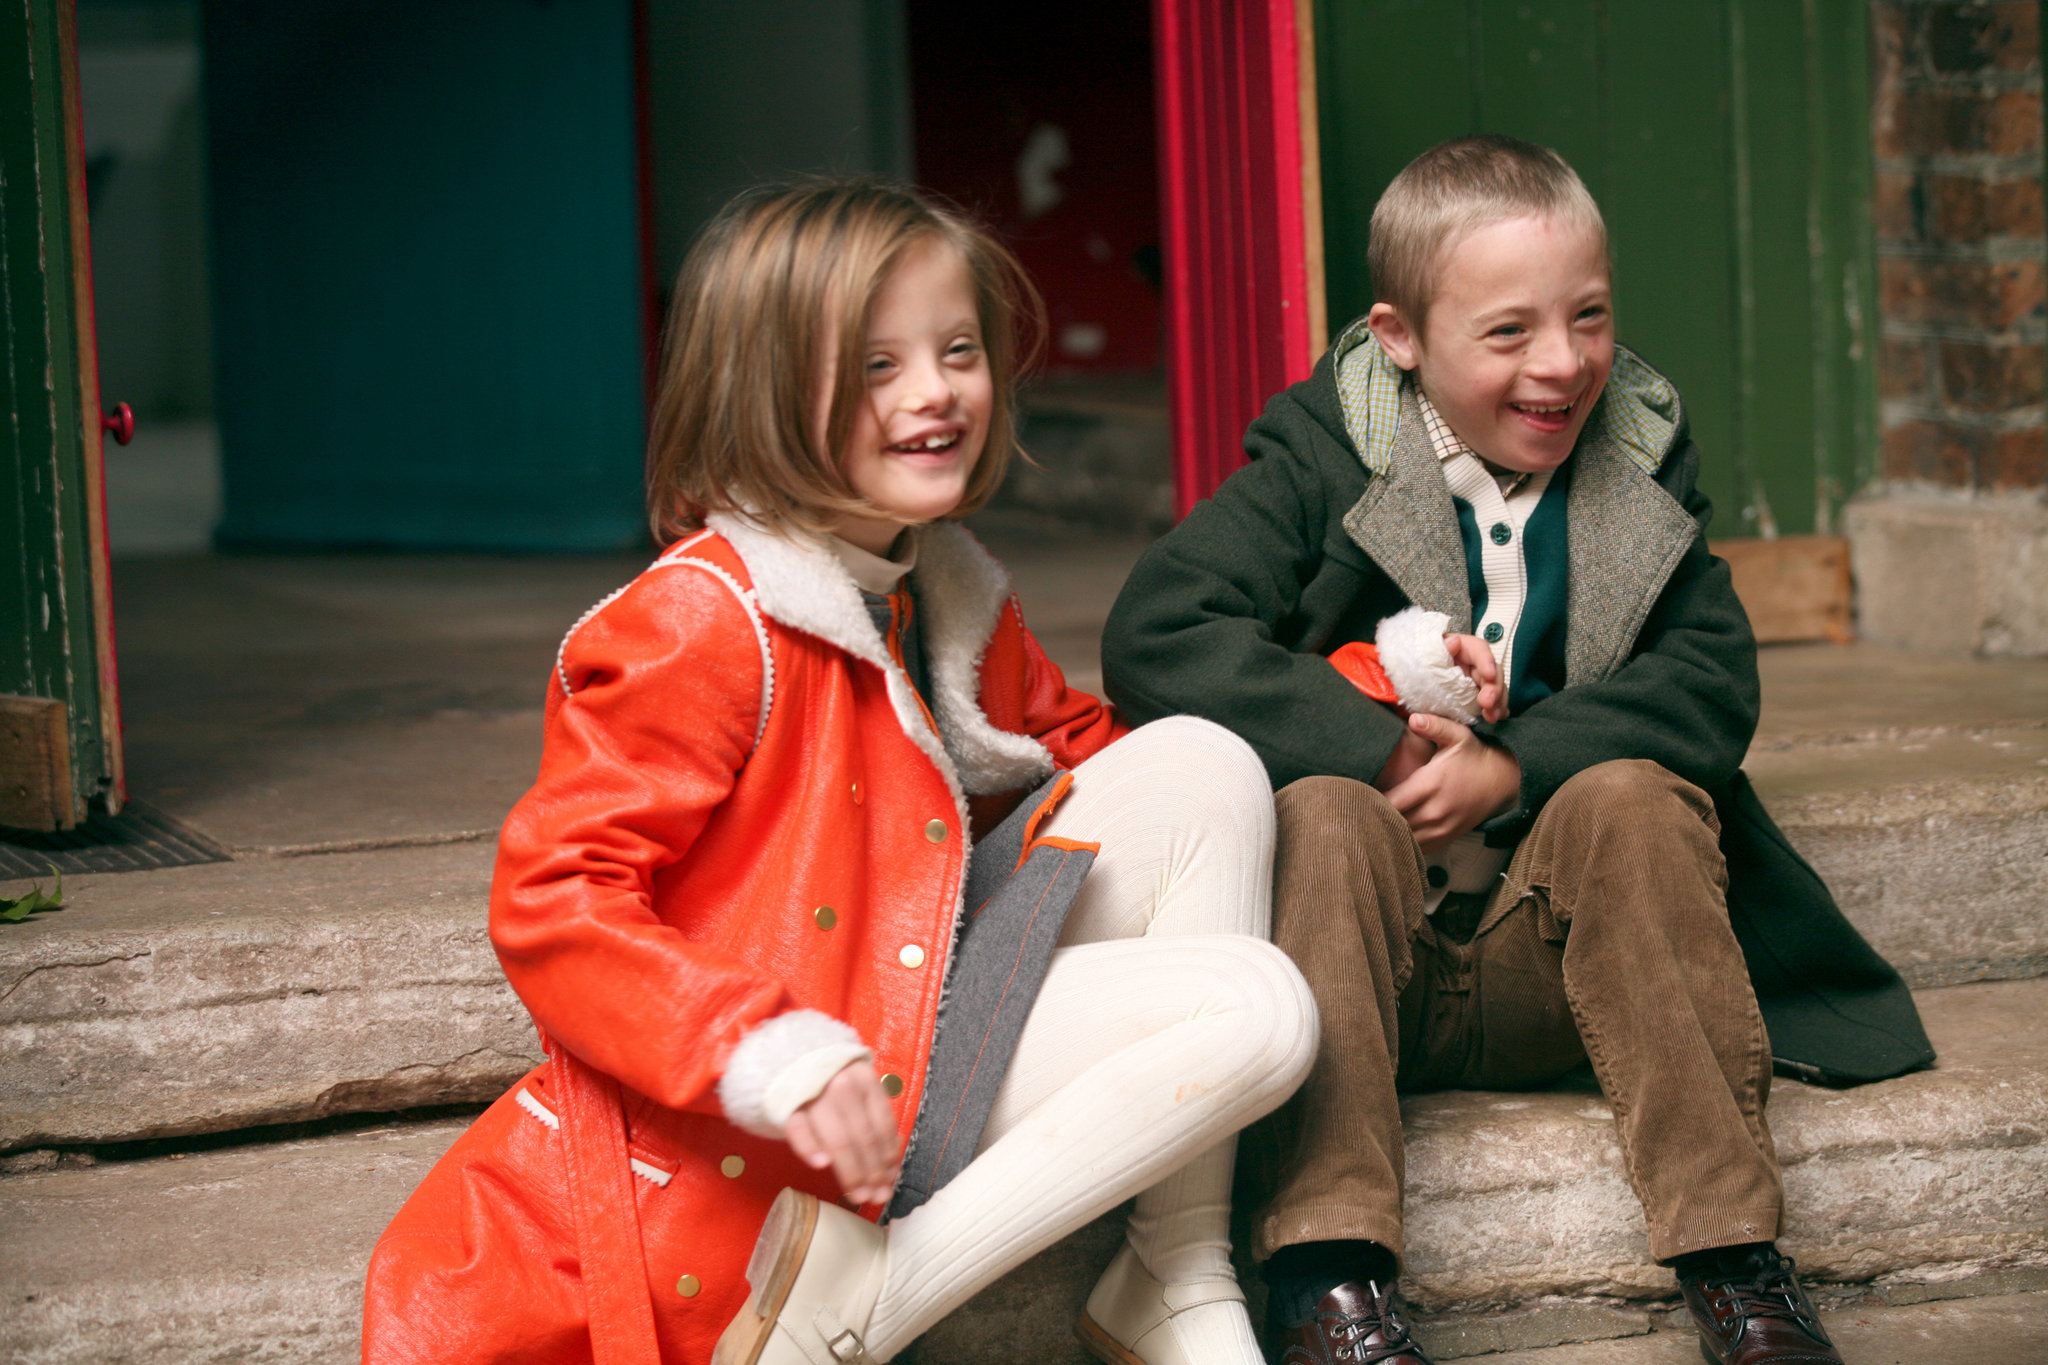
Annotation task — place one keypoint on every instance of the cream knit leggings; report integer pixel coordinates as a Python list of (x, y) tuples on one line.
[(1166, 1023)]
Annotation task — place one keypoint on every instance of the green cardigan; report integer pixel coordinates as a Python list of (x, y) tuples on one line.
[(1342, 517)]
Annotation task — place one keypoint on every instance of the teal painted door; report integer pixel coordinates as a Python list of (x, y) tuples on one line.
[(427, 272), (1728, 144)]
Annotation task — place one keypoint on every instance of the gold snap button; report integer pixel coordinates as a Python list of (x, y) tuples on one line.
[(826, 916), (892, 1085), (856, 793), (936, 831), (688, 1286), (911, 956), (733, 1167)]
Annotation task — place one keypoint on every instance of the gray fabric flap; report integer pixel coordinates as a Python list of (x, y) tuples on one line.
[(1014, 916)]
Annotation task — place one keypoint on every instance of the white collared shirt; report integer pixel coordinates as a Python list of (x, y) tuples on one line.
[(869, 571), (1501, 505)]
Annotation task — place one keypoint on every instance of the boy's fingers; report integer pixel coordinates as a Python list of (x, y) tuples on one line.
[(1437, 730), (1470, 652), (1407, 795)]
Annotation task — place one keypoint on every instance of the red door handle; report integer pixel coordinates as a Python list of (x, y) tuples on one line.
[(120, 424)]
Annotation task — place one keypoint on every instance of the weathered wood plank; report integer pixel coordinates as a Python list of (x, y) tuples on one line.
[(35, 764), (1794, 587)]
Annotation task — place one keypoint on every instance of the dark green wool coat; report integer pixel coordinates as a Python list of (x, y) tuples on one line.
[(1339, 521)]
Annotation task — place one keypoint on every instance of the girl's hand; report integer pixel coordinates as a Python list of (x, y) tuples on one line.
[(850, 1128), (1471, 654), (1468, 781)]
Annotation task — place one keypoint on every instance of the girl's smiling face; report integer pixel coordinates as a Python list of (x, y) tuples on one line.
[(930, 397), (1518, 341)]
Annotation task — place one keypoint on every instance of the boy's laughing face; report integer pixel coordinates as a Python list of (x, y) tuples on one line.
[(1518, 340)]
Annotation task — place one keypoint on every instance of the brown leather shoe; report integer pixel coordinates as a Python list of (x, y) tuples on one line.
[(1758, 1316), (1355, 1324)]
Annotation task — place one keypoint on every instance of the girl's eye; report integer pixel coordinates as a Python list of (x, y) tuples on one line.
[(963, 348), (880, 364)]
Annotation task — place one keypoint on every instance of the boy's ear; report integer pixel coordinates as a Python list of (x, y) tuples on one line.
[(1396, 338)]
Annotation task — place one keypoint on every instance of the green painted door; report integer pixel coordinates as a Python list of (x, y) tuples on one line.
[(56, 643), (1728, 144), (428, 322)]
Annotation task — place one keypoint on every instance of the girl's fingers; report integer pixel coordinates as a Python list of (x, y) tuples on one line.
[(875, 1140), (829, 1130), (803, 1140)]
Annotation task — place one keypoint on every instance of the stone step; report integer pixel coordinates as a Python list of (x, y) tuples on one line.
[(209, 998), (1935, 843), (277, 989), (1523, 1233), (1990, 1329)]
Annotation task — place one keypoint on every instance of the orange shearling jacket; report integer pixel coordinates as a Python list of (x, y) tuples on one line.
[(741, 864)]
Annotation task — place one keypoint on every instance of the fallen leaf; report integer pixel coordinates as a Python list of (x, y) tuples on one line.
[(17, 908)]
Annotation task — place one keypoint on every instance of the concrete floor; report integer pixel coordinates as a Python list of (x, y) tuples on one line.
[(293, 701)]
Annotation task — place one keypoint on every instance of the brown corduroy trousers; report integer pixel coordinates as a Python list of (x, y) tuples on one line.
[(1607, 939)]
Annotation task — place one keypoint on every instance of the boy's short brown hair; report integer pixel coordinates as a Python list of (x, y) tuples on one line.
[(1454, 188), (734, 422)]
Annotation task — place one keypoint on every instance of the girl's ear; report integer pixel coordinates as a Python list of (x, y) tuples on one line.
[(1396, 337)]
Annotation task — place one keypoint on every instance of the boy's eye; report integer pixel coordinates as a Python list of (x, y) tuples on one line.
[(1593, 314), (1507, 329)]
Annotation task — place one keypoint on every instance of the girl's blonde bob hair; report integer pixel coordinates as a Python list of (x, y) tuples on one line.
[(1455, 188), (781, 279)]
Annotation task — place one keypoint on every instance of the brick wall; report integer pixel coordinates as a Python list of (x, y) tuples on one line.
[(1962, 246)]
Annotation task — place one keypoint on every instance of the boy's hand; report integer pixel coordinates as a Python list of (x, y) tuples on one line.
[(1472, 654), (850, 1128), (1466, 782), (1409, 755)]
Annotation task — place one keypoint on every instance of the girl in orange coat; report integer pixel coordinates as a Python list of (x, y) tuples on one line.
[(837, 1031)]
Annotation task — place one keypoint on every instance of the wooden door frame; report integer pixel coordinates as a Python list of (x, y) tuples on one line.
[(1241, 220), (60, 579)]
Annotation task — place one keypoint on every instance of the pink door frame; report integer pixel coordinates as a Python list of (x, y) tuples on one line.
[(1241, 211)]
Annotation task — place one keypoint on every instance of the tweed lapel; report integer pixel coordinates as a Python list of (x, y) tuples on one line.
[(1626, 536), (1408, 526)]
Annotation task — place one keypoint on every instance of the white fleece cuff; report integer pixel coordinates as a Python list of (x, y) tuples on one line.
[(1411, 645), (783, 1064)]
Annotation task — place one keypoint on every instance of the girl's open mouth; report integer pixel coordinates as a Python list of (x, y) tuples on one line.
[(934, 444)]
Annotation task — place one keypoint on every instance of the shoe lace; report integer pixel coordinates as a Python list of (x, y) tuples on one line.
[(1382, 1315), (1771, 1291)]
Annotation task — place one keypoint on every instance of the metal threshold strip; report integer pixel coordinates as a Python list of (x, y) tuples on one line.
[(140, 837)]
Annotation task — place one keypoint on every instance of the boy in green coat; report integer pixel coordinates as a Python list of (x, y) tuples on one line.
[(1580, 872)]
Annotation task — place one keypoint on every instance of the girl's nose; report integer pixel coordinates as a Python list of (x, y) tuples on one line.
[(930, 387)]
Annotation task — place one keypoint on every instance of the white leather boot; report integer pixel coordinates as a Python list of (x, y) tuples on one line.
[(1133, 1319), (814, 1277)]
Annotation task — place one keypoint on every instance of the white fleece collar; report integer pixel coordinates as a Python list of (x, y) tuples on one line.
[(960, 590)]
